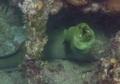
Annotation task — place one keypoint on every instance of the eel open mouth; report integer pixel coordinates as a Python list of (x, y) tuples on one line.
[(84, 31)]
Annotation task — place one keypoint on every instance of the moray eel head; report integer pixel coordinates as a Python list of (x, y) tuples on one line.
[(84, 33), (81, 40)]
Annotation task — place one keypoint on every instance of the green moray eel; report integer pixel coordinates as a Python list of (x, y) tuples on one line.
[(74, 43), (11, 61)]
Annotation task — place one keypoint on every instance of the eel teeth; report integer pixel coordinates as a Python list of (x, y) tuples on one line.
[(80, 35), (87, 30)]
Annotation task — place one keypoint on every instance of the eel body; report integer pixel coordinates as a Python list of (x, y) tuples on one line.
[(74, 43), (11, 61)]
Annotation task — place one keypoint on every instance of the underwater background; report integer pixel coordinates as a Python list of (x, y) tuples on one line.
[(59, 42)]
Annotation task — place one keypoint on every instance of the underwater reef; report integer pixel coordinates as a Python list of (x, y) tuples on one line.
[(11, 38), (109, 68), (36, 14)]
